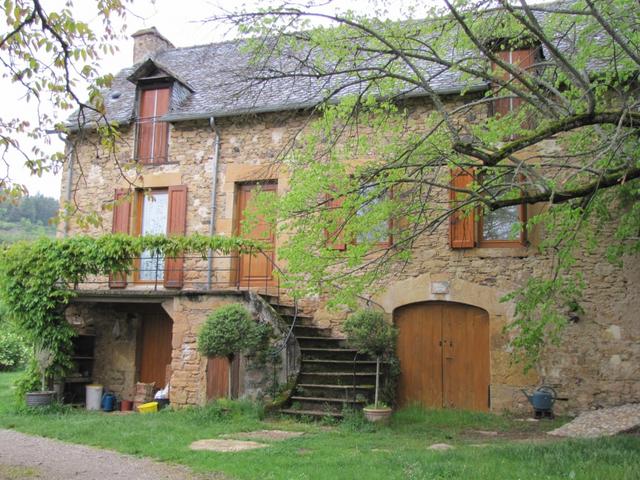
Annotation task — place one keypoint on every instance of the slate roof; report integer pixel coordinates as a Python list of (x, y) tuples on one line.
[(220, 75)]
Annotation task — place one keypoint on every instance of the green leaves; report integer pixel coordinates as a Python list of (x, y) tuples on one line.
[(230, 330), (37, 278), (368, 332)]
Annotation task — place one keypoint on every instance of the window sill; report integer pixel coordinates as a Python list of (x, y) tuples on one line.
[(501, 252)]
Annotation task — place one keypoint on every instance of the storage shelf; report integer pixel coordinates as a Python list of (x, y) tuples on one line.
[(78, 380)]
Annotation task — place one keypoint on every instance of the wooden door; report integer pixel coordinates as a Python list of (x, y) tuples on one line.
[(420, 356), (155, 347), (443, 349), (465, 370), (218, 377), (256, 269)]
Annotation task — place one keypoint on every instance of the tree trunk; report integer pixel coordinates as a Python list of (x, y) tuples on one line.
[(375, 403)]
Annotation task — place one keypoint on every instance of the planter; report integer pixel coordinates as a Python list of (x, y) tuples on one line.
[(40, 399), (380, 415)]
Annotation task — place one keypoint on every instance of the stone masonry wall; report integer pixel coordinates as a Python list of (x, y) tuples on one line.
[(115, 344), (593, 365)]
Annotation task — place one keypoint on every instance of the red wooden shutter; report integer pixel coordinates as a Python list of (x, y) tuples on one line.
[(176, 225), (121, 215), (161, 141), (146, 115), (523, 59), (335, 239), (461, 225), (152, 134)]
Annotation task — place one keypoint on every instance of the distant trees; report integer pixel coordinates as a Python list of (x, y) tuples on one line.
[(27, 219), (37, 209)]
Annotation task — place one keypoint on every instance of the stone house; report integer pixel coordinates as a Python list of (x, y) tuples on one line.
[(202, 150)]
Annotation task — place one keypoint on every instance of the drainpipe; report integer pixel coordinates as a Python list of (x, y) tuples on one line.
[(214, 187), (69, 148)]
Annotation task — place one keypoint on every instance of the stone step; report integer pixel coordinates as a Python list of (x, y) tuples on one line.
[(325, 404), (311, 413), (324, 365), (301, 330), (302, 320), (335, 391), (320, 353), (321, 342), (337, 378)]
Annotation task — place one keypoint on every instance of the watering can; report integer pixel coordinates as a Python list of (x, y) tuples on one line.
[(542, 398), (108, 402)]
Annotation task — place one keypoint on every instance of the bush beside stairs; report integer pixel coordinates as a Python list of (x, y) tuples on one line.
[(332, 375)]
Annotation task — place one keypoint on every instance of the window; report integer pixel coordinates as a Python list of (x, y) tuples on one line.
[(153, 215), (492, 229), (379, 234), (160, 211), (500, 227), (152, 133)]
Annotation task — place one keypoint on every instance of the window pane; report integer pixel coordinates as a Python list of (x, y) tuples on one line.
[(498, 225), (154, 222), (378, 233)]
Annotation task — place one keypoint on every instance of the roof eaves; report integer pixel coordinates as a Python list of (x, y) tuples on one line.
[(186, 116)]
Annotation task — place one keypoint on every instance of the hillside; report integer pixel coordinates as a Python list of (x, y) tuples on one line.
[(27, 219)]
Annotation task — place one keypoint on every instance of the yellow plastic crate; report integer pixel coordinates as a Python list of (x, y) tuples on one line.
[(151, 407)]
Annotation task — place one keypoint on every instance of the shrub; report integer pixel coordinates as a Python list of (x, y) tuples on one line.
[(13, 350), (230, 330), (368, 332)]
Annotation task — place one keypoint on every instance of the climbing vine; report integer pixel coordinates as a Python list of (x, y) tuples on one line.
[(37, 279)]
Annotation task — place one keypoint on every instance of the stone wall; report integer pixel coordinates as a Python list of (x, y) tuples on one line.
[(116, 338), (593, 365), (188, 379)]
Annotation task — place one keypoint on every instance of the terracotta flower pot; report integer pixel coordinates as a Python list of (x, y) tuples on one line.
[(380, 414)]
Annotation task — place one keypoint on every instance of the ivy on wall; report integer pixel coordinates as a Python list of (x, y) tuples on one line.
[(37, 278)]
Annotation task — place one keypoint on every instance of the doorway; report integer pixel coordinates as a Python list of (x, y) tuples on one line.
[(155, 346), (443, 348), (256, 269)]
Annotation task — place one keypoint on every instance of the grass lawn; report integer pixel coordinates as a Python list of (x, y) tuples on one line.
[(351, 450)]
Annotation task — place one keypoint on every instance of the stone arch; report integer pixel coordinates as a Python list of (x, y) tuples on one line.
[(421, 289), (506, 377)]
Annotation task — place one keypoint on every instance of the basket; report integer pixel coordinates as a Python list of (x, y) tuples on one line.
[(151, 407)]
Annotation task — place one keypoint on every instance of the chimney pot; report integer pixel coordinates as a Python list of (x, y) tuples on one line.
[(147, 43)]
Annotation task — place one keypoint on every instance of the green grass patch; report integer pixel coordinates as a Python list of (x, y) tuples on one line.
[(352, 449)]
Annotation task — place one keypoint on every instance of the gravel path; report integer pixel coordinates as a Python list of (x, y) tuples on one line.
[(30, 457)]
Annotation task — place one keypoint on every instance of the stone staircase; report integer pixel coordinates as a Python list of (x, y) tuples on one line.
[(332, 377)]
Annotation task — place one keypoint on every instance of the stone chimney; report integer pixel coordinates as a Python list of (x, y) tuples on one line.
[(147, 43)]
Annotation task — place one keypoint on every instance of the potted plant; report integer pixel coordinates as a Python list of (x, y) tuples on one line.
[(368, 332), (230, 330), (44, 359)]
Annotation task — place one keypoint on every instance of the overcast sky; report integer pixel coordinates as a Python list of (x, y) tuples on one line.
[(179, 21)]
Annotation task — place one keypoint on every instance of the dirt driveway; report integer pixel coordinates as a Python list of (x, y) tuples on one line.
[(30, 457)]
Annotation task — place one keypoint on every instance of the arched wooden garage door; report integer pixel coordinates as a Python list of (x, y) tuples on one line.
[(443, 349)]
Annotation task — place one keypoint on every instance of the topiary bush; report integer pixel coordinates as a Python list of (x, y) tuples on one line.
[(368, 332), (229, 330)]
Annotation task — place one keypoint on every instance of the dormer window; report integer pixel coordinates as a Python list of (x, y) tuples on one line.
[(152, 133), (159, 91)]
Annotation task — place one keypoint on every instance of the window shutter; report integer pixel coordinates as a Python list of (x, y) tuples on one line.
[(161, 137), (176, 225), (335, 239), (153, 134), (121, 215), (523, 59), (461, 225)]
